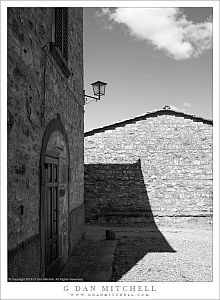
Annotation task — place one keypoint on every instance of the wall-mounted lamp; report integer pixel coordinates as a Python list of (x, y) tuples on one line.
[(98, 90)]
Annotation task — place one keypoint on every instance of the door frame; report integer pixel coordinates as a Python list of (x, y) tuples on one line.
[(54, 125)]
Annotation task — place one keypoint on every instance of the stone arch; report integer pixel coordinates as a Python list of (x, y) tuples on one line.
[(55, 146), (54, 125)]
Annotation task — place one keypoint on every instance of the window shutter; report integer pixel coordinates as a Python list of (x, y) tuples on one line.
[(58, 30), (61, 29), (59, 46), (65, 34)]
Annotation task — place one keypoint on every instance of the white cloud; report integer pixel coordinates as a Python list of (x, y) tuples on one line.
[(165, 28), (187, 104)]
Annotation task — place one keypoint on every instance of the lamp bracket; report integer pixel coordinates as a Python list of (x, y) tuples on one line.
[(94, 98)]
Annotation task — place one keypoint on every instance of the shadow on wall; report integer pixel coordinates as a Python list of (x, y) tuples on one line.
[(114, 189), (115, 194)]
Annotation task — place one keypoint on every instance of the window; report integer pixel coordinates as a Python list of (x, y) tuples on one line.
[(59, 46), (61, 31)]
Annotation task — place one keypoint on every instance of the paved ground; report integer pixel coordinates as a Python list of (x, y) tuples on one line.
[(165, 254), (93, 260)]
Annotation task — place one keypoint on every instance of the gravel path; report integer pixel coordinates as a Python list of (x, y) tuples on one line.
[(160, 255)]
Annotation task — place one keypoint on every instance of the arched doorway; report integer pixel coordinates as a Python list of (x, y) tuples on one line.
[(54, 203)]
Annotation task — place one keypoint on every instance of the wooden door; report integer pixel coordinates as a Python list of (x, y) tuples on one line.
[(52, 216)]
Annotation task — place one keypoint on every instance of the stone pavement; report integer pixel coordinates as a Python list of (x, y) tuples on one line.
[(162, 254), (92, 262)]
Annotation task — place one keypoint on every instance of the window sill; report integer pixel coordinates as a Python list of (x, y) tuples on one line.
[(60, 61)]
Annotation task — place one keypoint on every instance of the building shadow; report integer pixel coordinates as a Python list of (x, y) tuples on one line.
[(115, 195)]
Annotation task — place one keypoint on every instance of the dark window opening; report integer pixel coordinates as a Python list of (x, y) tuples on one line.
[(59, 48), (61, 31)]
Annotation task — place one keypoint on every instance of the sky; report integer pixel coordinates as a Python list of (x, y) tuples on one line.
[(149, 57)]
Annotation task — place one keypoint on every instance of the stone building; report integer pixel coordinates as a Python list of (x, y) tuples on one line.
[(45, 139), (155, 167)]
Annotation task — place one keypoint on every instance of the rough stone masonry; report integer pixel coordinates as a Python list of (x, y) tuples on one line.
[(155, 167), (45, 113)]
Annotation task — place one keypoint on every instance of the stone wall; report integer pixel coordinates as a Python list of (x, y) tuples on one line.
[(161, 163), (38, 90)]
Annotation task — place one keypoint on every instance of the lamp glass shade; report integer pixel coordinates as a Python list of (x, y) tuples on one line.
[(99, 88)]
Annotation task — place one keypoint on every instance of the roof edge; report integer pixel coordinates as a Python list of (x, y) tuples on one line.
[(148, 115)]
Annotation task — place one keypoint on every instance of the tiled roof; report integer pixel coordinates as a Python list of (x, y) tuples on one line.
[(166, 110)]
